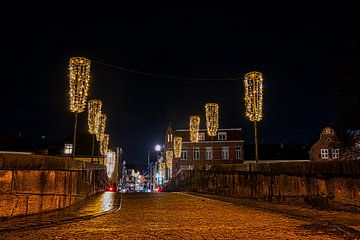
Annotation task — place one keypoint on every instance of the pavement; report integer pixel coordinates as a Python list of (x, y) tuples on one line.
[(91, 207), (345, 221), (187, 216)]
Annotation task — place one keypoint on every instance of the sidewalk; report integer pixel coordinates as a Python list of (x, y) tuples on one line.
[(345, 221), (88, 208)]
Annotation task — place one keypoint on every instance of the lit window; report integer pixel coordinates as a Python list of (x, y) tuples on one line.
[(335, 153), (238, 152), (68, 149), (222, 136), (201, 136), (324, 153), (183, 154), (225, 152), (208, 153), (196, 153)]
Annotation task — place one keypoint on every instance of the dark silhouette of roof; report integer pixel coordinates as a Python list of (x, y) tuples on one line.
[(14, 143)]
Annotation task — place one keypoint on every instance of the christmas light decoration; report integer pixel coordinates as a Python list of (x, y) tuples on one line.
[(101, 122), (169, 158), (177, 146), (110, 163), (212, 118), (194, 128), (253, 95), (79, 76), (253, 83), (104, 144), (94, 107)]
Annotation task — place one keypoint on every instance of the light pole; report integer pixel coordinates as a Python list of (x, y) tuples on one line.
[(253, 102), (212, 122), (79, 76), (94, 111)]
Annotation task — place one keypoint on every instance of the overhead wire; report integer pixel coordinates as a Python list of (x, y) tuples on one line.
[(164, 76)]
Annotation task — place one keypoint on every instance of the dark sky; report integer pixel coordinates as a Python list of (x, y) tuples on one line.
[(296, 55)]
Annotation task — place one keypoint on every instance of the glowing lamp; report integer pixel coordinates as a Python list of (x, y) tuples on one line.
[(194, 128), (212, 118)]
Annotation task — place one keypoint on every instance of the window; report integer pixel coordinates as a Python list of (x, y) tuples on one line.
[(324, 153), (222, 136), (201, 136), (335, 153), (169, 137), (238, 152), (183, 154), (225, 152), (208, 153), (196, 153), (68, 149)]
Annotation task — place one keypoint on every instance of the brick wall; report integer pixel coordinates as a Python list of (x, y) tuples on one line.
[(32, 184), (334, 185)]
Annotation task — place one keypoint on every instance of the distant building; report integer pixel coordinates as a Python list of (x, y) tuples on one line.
[(15, 143), (225, 148), (327, 147)]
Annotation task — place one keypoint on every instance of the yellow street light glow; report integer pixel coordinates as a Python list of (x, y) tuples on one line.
[(212, 118), (169, 158), (101, 122), (194, 128), (104, 144), (253, 95), (177, 146), (94, 107), (253, 82), (79, 76)]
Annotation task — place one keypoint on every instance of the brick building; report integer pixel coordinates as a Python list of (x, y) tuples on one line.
[(225, 148), (326, 148)]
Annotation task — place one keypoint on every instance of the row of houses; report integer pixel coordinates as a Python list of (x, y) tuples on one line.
[(228, 148)]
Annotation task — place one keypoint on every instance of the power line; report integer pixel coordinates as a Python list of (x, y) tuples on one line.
[(164, 76)]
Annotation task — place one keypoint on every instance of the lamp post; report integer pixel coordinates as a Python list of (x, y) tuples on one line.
[(194, 128), (94, 111), (79, 76), (253, 82), (212, 122)]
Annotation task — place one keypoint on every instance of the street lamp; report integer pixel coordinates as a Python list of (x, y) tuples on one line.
[(79, 76), (94, 111), (253, 101), (212, 122), (194, 128), (177, 146), (158, 148)]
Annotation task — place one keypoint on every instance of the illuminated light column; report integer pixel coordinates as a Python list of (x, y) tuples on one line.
[(110, 163), (79, 76), (169, 159), (101, 123), (212, 122), (104, 144), (94, 111), (194, 128), (212, 118), (177, 146), (253, 82)]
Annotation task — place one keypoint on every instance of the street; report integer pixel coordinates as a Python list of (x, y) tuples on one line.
[(180, 216)]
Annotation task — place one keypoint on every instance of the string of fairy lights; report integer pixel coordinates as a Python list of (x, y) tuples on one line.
[(79, 77)]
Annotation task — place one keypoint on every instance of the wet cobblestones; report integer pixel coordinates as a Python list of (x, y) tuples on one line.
[(181, 216)]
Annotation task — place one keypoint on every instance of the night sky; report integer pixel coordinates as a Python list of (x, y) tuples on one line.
[(297, 57)]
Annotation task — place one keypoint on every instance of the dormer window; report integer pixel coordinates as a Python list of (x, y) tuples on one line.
[(222, 136)]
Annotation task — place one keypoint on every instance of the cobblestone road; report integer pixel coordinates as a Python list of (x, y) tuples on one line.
[(181, 216)]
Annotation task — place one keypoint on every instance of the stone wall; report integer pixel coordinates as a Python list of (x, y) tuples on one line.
[(32, 184), (334, 184)]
